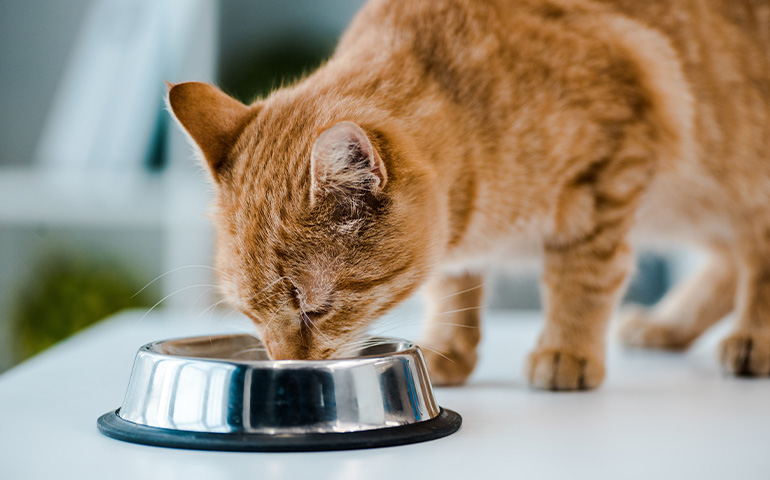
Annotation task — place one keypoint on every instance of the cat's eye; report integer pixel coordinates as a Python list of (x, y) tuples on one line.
[(295, 301), (314, 316)]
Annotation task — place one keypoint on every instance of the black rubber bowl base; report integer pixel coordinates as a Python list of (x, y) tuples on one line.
[(445, 423)]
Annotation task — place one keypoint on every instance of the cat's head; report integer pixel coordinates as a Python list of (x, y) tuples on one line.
[(323, 221)]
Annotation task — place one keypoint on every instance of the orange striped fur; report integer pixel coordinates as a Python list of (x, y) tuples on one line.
[(444, 137)]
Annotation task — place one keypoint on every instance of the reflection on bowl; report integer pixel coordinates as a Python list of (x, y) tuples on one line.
[(223, 392)]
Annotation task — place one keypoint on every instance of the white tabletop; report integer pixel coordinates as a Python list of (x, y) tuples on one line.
[(658, 415)]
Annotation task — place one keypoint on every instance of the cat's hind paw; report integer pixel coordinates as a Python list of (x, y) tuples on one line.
[(746, 354), (639, 329), (563, 370)]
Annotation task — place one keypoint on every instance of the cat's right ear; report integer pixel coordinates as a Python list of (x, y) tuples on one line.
[(211, 118), (344, 160)]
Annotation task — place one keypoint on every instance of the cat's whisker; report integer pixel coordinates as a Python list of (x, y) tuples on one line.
[(353, 347), (248, 350), (423, 323), (271, 284), (463, 291), (239, 327), (467, 309), (274, 316), (210, 307), (438, 352), (272, 296), (457, 325), (357, 346), (367, 342), (192, 307), (229, 311), (173, 270), (171, 295), (310, 323), (227, 320)]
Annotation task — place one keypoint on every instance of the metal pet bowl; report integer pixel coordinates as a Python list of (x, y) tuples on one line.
[(223, 393)]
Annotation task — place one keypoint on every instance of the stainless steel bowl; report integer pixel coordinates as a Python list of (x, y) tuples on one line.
[(224, 393)]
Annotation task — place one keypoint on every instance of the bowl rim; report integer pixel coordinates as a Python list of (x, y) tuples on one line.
[(445, 423), (410, 349)]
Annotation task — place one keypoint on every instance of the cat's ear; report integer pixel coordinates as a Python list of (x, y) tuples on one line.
[(344, 160), (211, 118)]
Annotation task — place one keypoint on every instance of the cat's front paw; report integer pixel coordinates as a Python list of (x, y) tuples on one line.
[(450, 368), (746, 353), (560, 369), (640, 329)]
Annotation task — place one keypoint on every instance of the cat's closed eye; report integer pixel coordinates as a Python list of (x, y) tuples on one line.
[(314, 315)]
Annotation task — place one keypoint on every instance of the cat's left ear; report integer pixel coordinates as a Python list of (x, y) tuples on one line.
[(344, 160), (212, 118)]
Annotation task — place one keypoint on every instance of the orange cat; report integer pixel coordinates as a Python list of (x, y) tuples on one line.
[(445, 135)]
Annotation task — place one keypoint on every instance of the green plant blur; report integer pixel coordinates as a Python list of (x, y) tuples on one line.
[(67, 293)]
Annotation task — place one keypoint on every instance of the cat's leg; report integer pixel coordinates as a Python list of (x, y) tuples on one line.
[(452, 331), (582, 285), (587, 262), (747, 350), (687, 311)]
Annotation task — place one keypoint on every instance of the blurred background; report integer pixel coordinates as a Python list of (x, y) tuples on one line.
[(102, 205)]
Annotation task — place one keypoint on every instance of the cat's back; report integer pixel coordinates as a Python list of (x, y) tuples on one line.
[(722, 46), (494, 57), (718, 41), (724, 49), (707, 21)]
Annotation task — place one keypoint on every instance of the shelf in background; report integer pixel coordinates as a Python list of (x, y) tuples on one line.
[(104, 200)]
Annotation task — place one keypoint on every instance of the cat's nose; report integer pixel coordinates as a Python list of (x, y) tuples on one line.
[(292, 345), (280, 348)]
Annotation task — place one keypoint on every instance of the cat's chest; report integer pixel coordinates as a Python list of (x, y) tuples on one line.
[(492, 247)]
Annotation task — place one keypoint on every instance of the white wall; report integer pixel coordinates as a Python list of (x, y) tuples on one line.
[(35, 41)]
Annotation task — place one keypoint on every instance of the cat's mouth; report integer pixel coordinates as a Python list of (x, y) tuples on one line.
[(300, 334), (305, 342)]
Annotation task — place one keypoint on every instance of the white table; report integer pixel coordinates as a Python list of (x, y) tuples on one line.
[(658, 415)]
